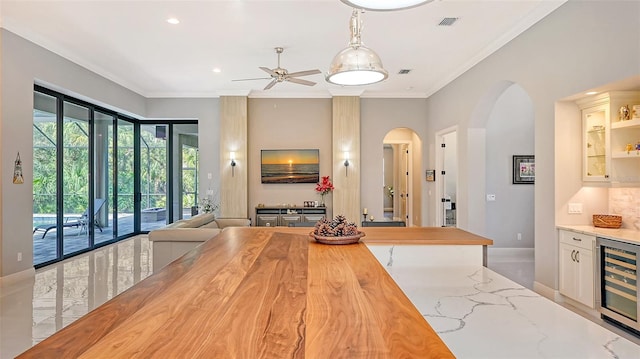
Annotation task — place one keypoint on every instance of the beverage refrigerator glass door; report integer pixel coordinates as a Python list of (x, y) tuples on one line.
[(617, 282)]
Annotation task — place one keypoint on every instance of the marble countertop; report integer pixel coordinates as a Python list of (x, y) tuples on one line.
[(620, 234), (480, 314)]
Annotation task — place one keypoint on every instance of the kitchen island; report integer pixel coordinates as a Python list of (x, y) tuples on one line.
[(256, 293)]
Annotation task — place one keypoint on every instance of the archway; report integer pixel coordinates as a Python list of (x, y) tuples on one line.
[(502, 126), (401, 177)]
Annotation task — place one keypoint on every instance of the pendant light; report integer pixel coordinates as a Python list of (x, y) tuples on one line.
[(385, 5), (357, 64)]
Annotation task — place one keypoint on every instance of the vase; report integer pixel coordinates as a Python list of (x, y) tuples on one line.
[(322, 200)]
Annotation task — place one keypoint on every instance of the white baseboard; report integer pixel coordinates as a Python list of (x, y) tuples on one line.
[(547, 292), (577, 306)]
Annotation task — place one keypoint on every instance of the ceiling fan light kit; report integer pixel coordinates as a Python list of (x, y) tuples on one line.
[(356, 64), (385, 5)]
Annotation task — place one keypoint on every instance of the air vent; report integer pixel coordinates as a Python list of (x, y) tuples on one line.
[(404, 71), (448, 21)]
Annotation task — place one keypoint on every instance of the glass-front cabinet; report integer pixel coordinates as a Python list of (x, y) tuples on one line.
[(596, 137), (611, 137)]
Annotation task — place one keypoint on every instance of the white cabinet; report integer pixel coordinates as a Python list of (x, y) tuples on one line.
[(609, 140), (576, 266), (597, 157)]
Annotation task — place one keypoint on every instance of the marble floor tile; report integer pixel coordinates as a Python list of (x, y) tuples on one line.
[(59, 294)]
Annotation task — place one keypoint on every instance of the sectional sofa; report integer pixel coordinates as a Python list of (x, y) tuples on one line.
[(178, 238)]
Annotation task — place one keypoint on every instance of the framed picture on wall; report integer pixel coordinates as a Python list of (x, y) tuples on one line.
[(524, 169), (431, 175)]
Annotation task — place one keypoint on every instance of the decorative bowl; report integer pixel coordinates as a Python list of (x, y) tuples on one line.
[(338, 239)]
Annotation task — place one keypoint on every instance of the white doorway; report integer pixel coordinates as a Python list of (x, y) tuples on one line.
[(447, 177), (400, 185)]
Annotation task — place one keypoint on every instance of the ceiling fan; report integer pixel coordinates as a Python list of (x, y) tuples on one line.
[(279, 74)]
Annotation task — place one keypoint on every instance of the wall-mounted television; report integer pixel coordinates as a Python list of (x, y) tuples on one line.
[(290, 166)]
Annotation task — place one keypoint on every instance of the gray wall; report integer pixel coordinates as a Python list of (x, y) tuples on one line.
[(567, 52), (509, 132), (207, 112), (378, 117), (23, 64)]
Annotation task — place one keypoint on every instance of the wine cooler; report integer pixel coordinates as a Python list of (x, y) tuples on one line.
[(617, 289)]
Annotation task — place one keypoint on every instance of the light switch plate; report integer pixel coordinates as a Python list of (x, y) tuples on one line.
[(575, 208), (491, 197)]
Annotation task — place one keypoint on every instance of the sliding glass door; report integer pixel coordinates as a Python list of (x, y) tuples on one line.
[(185, 168), (100, 176), (104, 177), (75, 214), (45, 144), (126, 177), (153, 176)]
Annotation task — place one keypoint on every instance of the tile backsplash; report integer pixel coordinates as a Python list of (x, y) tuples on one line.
[(626, 202)]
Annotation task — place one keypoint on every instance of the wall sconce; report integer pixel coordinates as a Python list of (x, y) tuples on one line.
[(346, 163), (233, 163)]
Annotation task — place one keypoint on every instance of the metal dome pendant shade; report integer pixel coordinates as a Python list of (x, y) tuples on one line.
[(357, 64), (385, 5)]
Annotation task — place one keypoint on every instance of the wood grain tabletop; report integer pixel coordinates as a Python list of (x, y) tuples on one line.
[(256, 293)]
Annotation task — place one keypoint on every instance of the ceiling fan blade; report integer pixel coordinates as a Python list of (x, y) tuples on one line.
[(300, 81), (256, 78), (269, 71), (271, 84), (304, 73)]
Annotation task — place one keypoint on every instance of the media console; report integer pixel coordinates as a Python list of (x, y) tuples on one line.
[(273, 216)]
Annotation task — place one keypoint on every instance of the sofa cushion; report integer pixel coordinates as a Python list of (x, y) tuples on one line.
[(212, 224), (233, 222), (200, 220), (183, 223)]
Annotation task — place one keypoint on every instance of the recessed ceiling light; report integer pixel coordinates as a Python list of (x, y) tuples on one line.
[(591, 93), (173, 21), (217, 70)]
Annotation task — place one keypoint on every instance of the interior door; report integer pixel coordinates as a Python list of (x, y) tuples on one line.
[(449, 179), (403, 182)]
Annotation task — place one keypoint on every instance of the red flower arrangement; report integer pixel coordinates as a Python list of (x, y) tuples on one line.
[(325, 186)]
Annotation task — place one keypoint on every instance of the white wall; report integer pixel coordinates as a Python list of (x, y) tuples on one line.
[(509, 132), (565, 53)]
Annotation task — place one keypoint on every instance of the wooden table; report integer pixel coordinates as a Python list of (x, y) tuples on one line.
[(256, 293)]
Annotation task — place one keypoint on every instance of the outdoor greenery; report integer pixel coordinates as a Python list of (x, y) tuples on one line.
[(75, 168), (189, 176)]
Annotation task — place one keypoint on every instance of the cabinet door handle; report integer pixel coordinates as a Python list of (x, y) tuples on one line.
[(573, 255), (578, 256), (577, 239)]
